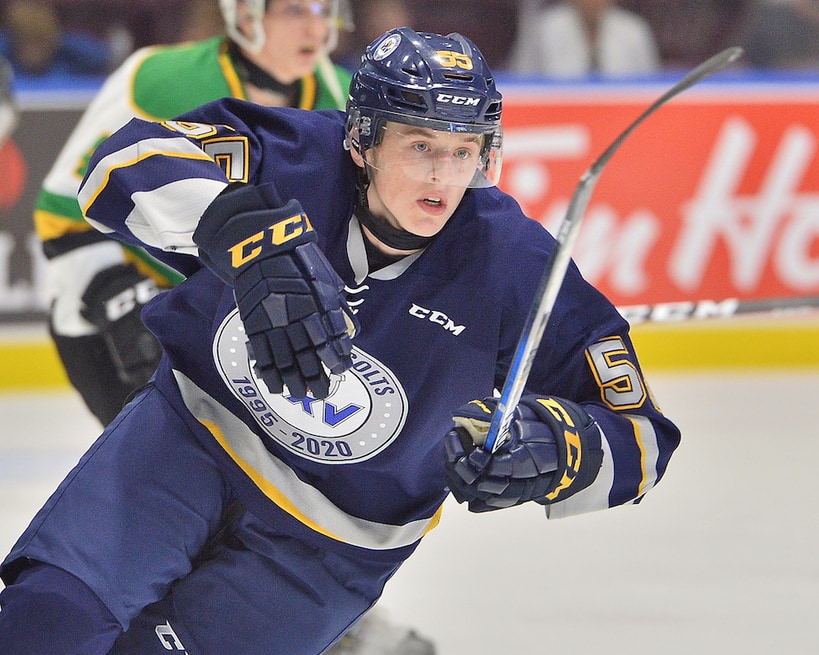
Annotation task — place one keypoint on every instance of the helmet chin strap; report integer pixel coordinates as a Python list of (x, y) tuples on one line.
[(394, 237), (260, 78)]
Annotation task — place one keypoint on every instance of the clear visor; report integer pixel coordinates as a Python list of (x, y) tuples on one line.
[(438, 152)]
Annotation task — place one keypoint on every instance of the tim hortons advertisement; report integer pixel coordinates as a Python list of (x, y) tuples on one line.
[(715, 196)]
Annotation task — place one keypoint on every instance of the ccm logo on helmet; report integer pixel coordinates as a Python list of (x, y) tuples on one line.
[(449, 99)]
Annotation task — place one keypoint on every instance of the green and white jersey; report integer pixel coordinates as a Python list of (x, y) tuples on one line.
[(154, 83)]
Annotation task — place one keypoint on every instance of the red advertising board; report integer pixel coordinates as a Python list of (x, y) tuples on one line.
[(714, 196)]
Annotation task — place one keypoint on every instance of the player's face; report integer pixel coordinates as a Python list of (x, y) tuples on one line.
[(296, 31), (419, 176)]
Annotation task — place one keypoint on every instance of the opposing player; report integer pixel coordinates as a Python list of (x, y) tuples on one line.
[(353, 279), (274, 53)]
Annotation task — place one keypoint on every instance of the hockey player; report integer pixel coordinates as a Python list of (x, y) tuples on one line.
[(274, 53), (351, 280)]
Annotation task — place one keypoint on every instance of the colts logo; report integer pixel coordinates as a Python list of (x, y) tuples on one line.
[(363, 414), (387, 47)]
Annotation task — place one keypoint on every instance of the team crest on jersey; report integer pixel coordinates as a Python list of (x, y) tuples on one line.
[(363, 414)]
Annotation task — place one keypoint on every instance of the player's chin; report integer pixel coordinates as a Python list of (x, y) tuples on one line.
[(428, 225), (305, 62)]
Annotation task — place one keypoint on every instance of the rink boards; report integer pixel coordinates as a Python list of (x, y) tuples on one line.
[(715, 196)]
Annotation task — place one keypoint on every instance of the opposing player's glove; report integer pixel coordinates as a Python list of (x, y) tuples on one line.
[(290, 299), (553, 451), (112, 302)]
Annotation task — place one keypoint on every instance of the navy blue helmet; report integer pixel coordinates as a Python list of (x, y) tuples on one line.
[(431, 81)]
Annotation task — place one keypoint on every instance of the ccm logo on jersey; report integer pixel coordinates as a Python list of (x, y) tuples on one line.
[(280, 232), (436, 317), (449, 99)]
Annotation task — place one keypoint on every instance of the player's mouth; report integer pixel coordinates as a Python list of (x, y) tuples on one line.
[(433, 204)]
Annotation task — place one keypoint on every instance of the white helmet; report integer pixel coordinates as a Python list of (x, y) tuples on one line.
[(340, 17)]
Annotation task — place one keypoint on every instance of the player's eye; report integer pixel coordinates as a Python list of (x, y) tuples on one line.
[(305, 8)]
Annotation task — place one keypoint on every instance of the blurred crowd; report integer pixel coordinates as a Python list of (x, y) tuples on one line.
[(537, 37)]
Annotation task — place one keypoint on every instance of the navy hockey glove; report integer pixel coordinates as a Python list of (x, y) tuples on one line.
[(553, 451), (113, 302), (290, 299)]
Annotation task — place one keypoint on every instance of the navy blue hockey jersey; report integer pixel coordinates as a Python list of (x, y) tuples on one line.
[(363, 468)]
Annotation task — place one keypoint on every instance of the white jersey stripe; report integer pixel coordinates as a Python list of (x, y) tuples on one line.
[(97, 179), (646, 439), (282, 486), (160, 220), (593, 498)]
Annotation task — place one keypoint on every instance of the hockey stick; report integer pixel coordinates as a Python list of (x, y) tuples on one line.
[(675, 312), (552, 279)]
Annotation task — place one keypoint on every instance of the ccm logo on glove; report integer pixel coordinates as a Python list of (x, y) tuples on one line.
[(574, 447), (553, 451), (280, 233), (130, 299), (291, 301), (112, 303)]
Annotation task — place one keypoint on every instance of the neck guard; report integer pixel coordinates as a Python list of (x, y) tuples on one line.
[(393, 237), (250, 73)]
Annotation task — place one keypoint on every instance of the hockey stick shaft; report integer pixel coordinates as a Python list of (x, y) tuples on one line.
[(675, 312), (555, 271)]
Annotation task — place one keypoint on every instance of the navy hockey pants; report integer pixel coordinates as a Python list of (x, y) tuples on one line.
[(138, 526)]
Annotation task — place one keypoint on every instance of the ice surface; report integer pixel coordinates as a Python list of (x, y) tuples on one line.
[(722, 557)]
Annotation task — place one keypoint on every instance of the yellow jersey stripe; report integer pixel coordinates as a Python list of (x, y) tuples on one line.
[(283, 487), (646, 440)]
